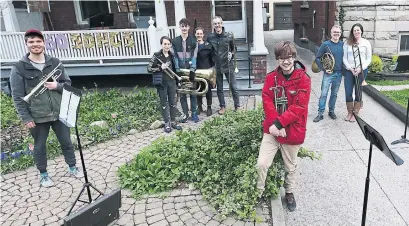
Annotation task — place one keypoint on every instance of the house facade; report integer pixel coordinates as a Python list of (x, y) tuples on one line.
[(119, 37), (385, 23)]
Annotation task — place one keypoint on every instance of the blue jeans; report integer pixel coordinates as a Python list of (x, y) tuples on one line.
[(350, 85), (185, 107), (333, 80)]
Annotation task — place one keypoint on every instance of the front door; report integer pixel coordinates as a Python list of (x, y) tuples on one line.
[(233, 15)]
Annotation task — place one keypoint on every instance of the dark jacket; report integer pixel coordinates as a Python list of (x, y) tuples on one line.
[(187, 60), (154, 64), (222, 44), (205, 57), (24, 77), (294, 119)]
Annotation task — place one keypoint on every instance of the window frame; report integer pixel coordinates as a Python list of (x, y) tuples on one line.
[(403, 52)]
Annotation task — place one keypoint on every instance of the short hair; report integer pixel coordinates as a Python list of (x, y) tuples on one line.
[(336, 26), (285, 49), (165, 38), (184, 21), (199, 28), (218, 17)]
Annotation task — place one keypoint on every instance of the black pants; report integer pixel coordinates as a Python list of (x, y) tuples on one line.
[(40, 134), (167, 95), (231, 79), (208, 95)]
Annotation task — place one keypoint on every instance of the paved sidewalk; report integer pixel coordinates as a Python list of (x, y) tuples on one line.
[(390, 88), (331, 191), (25, 203)]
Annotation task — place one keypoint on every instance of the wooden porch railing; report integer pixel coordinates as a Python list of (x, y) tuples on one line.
[(83, 44)]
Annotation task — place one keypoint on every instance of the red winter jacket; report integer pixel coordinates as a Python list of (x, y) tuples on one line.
[(294, 119)]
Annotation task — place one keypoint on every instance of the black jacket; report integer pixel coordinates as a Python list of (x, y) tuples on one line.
[(24, 78), (222, 44), (154, 64), (205, 57)]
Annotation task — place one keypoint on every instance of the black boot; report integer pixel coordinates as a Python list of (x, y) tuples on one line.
[(290, 200), (199, 109), (209, 111)]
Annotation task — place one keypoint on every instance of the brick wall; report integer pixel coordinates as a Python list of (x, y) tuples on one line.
[(259, 68), (249, 14), (170, 12), (324, 19), (62, 16), (201, 11)]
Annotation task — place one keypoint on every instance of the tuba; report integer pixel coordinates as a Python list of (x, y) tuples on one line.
[(327, 60), (202, 75), (280, 99), (40, 88)]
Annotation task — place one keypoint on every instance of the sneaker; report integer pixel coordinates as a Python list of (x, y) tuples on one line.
[(76, 172), (290, 200), (184, 118), (209, 111), (176, 126), (318, 118), (221, 111), (332, 115), (167, 128), (45, 180), (195, 118)]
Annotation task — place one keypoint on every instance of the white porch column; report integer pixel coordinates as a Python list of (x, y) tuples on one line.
[(9, 16), (258, 34), (152, 37), (180, 13), (161, 20)]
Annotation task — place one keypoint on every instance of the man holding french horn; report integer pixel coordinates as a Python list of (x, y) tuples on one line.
[(329, 60), (38, 105)]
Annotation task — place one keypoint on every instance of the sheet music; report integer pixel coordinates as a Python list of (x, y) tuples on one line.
[(68, 108)]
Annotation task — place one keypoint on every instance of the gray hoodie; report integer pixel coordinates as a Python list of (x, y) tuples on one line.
[(24, 77)]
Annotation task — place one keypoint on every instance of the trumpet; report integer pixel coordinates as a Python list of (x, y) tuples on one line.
[(168, 71), (281, 100), (40, 88)]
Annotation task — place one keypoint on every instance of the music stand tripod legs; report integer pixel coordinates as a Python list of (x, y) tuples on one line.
[(403, 139)]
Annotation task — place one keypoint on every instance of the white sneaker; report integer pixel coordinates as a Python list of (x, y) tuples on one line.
[(45, 180), (76, 172)]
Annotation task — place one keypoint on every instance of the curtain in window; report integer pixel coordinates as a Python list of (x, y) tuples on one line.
[(125, 6), (38, 6)]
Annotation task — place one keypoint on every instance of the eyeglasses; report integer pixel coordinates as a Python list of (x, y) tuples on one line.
[(289, 59)]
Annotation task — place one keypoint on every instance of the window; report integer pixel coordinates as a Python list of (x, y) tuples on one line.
[(404, 42), (20, 4), (229, 10), (85, 10)]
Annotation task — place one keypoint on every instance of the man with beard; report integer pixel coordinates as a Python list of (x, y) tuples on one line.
[(41, 112), (286, 112), (185, 52), (223, 53)]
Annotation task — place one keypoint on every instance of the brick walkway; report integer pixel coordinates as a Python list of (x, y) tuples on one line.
[(25, 203)]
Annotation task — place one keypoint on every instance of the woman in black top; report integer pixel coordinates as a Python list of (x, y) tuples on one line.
[(165, 85), (204, 61)]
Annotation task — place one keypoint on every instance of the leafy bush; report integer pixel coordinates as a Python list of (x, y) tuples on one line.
[(376, 65), (135, 110), (219, 159)]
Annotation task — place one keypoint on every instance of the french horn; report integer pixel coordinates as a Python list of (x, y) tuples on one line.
[(327, 60)]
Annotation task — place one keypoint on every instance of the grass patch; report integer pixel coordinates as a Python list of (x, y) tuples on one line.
[(398, 96), (133, 110), (388, 82), (219, 159)]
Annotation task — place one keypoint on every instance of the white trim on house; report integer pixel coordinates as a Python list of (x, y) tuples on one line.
[(399, 40), (78, 13)]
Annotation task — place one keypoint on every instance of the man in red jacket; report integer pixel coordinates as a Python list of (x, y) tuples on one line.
[(285, 94)]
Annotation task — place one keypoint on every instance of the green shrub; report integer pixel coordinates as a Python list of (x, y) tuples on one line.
[(376, 65), (219, 159), (135, 110)]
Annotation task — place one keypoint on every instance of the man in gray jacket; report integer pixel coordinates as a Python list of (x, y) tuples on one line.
[(41, 112), (223, 53)]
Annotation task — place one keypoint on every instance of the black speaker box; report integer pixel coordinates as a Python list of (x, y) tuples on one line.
[(99, 213)]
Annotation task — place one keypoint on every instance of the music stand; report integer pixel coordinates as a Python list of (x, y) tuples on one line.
[(403, 139), (374, 138), (69, 110)]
